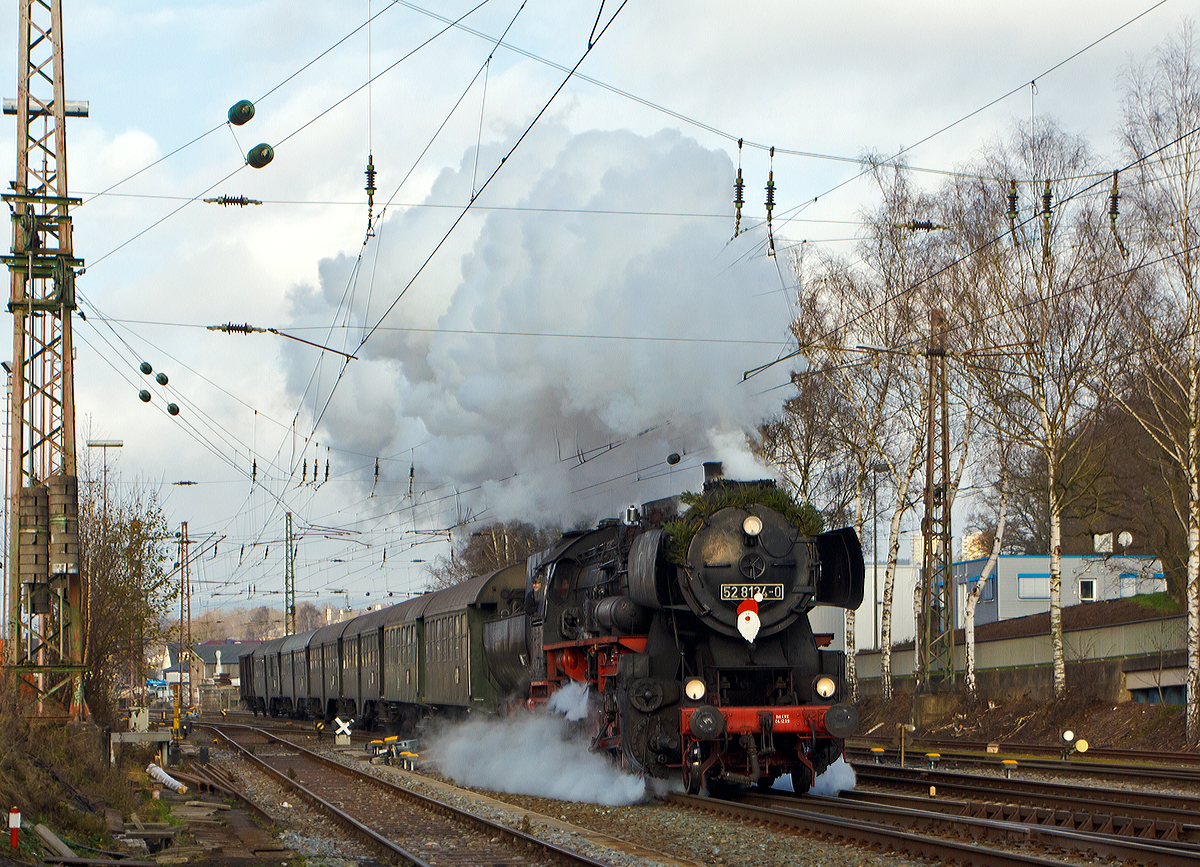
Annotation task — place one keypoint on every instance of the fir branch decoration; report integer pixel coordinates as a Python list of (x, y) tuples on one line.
[(803, 516)]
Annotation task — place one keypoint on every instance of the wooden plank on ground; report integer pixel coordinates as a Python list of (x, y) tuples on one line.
[(51, 839)]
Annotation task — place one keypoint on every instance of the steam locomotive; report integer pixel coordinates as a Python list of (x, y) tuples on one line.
[(690, 629)]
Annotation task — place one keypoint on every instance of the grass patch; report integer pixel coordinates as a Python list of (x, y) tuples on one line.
[(1160, 603), (157, 810), (54, 773)]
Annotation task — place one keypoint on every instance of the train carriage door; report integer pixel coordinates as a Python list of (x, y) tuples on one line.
[(464, 661), (336, 680), (380, 663), (285, 676)]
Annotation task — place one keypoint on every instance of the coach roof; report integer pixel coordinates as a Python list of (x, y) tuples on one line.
[(475, 592)]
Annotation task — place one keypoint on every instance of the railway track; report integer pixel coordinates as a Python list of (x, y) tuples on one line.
[(938, 832), (1074, 767), (279, 725), (1078, 812), (1174, 759), (1029, 791), (991, 820), (403, 826), (866, 832)]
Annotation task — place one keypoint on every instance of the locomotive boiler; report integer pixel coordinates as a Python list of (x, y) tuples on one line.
[(691, 630)]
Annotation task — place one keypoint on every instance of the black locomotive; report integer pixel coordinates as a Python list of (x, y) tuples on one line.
[(690, 629), (693, 632)]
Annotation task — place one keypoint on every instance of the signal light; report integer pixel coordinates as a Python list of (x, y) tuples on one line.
[(1072, 743)]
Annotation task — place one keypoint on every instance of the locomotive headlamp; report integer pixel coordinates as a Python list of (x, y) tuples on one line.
[(752, 526), (695, 689), (826, 687)]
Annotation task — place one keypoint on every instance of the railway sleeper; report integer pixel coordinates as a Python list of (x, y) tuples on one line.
[(1078, 820)]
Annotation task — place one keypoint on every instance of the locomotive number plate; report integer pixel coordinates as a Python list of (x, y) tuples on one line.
[(738, 592)]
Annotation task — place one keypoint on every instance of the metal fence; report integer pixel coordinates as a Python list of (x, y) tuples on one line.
[(214, 698)]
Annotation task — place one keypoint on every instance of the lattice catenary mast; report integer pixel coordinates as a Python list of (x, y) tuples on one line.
[(47, 599), (935, 626)]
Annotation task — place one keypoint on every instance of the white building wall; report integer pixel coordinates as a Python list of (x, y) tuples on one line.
[(1022, 583), (1112, 642), (904, 626), (1021, 587)]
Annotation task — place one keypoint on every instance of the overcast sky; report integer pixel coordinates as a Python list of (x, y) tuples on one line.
[(589, 315)]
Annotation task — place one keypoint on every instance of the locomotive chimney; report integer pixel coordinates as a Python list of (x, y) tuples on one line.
[(713, 472)]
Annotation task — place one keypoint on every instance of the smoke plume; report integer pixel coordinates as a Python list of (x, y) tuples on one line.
[(558, 349), (534, 753)]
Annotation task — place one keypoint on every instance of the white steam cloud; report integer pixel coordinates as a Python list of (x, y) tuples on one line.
[(534, 753), (838, 777), (553, 355)]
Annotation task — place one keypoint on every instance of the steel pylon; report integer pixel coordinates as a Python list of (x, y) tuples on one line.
[(47, 599), (289, 579), (935, 629)]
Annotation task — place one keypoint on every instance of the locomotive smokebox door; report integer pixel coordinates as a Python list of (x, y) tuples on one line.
[(728, 564)]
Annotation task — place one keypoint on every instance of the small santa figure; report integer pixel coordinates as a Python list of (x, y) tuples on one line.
[(747, 617)]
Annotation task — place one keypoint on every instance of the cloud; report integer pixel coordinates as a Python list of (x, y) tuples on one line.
[(564, 328)]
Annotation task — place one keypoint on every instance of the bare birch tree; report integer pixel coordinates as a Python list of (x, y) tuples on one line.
[(1162, 116), (1044, 297), (863, 326), (976, 591)]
